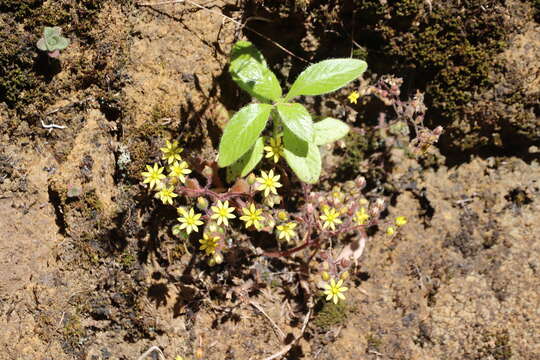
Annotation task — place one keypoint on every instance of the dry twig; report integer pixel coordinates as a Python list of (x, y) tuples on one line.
[(151, 350), (287, 348), (278, 330)]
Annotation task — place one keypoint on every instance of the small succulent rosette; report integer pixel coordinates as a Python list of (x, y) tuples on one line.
[(52, 41)]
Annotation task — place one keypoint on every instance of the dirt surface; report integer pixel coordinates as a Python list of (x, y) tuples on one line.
[(90, 269)]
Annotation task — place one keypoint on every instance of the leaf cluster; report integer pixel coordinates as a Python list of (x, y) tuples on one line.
[(241, 146), (52, 40)]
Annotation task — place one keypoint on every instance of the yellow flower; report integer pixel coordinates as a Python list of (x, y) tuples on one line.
[(361, 216), (334, 291), (154, 175), (166, 194), (171, 152), (390, 230), (222, 213), (330, 217), (282, 215), (268, 182), (252, 216), (275, 149), (189, 220), (179, 170), (353, 97), (401, 220), (209, 244), (286, 231)]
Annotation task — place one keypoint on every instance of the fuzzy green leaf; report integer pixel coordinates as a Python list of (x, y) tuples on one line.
[(42, 44), (249, 70), (241, 132), (297, 119), (329, 130), (326, 76), (62, 43), (52, 31), (307, 168), (247, 162)]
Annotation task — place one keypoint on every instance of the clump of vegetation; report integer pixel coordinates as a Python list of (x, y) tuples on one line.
[(330, 315), (452, 49), (52, 41), (242, 146), (333, 224)]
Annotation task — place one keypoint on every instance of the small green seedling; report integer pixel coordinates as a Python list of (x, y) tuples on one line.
[(52, 41), (241, 146)]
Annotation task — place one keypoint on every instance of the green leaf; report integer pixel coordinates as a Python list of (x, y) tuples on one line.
[(248, 69), (329, 130), (52, 31), (62, 43), (242, 131), (42, 44), (296, 118), (307, 168), (326, 76), (247, 162), (294, 144)]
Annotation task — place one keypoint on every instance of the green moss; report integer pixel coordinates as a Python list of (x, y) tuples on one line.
[(451, 48), (23, 74), (331, 315), (128, 260), (494, 345), (93, 202)]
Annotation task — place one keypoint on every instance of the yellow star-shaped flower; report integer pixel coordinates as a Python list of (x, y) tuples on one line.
[(401, 220), (330, 218), (334, 291), (268, 182), (179, 171), (222, 213), (209, 244), (153, 176), (275, 149), (166, 194), (353, 97), (171, 152), (361, 216), (286, 231), (252, 216), (189, 220)]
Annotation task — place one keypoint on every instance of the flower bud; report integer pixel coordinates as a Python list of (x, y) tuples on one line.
[(344, 276), (202, 203), (360, 182), (282, 215), (199, 353), (438, 130), (325, 276), (390, 230), (344, 263), (218, 258), (207, 172), (251, 179)]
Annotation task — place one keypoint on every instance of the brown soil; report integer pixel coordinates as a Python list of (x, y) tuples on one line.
[(88, 272)]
